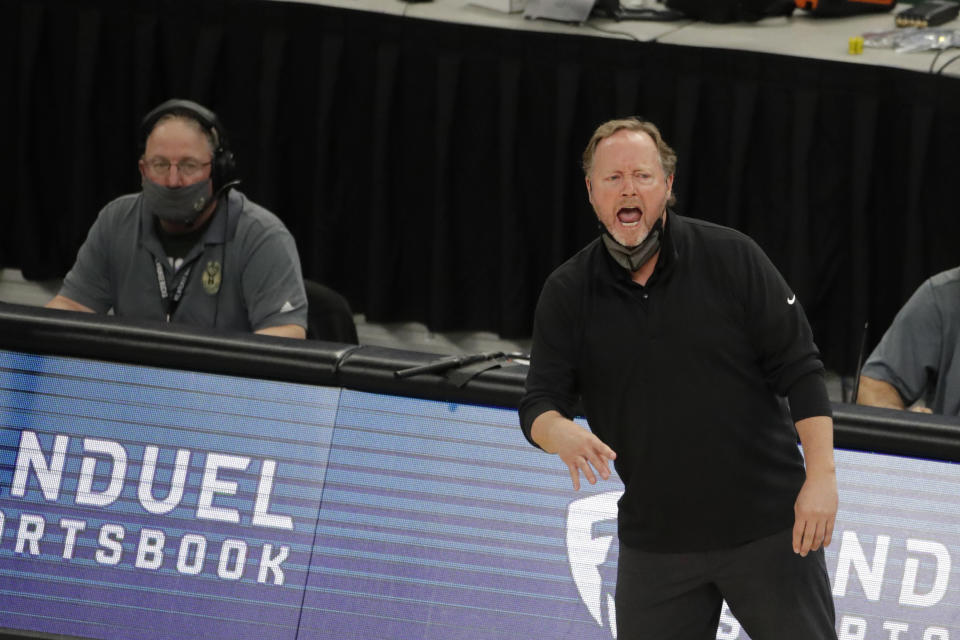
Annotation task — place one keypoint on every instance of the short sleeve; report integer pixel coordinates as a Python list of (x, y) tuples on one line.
[(909, 351), (88, 281), (272, 281)]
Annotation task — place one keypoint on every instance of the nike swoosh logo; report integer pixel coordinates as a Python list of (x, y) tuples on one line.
[(792, 299)]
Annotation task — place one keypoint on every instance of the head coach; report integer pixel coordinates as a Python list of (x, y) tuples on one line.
[(680, 338)]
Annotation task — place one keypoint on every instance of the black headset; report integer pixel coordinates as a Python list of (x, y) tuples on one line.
[(224, 164)]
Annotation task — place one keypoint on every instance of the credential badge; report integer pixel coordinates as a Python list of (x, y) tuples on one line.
[(212, 277)]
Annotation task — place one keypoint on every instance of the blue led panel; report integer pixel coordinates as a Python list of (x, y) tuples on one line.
[(155, 504), (146, 503)]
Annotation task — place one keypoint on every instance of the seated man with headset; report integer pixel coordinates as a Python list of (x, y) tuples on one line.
[(188, 248)]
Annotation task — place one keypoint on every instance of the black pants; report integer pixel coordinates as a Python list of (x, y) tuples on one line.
[(773, 592)]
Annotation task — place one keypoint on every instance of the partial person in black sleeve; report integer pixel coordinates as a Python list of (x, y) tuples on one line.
[(679, 337), (189, 248)]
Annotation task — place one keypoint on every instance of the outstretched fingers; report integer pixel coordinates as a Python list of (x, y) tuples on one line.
[(592, 459)]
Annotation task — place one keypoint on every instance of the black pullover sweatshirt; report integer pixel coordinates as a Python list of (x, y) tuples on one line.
[(684, 378)]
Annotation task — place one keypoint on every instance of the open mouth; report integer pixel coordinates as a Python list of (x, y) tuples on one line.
[(629, 216)]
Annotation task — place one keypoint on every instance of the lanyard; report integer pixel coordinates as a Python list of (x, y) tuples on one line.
[(170, 303)]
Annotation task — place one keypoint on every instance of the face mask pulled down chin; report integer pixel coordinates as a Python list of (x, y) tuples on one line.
[(180, 204), (632, 258)]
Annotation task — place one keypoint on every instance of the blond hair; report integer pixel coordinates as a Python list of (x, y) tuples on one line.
[(668, 157)]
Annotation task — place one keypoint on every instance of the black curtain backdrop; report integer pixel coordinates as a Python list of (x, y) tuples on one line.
[(430, 171)]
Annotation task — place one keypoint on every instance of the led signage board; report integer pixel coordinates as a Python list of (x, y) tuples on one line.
[(164, 504)]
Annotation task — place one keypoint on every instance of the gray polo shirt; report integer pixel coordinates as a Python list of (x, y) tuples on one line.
[(920, 353), (244, 275)]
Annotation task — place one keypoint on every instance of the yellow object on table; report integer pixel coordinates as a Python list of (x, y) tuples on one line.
[(855, 45)]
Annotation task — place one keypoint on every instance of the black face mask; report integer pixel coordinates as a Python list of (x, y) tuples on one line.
[(179, 204), (632, 258)]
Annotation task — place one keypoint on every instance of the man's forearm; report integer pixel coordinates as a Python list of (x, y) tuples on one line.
[(62, 302), (815, 510), (816, 436), (284, 331), (543, 430), (877, 393)]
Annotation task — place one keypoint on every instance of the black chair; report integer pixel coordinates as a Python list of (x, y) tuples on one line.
[(328, 315)]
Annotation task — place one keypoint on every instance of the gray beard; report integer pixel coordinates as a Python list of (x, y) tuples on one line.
[(632, 258)]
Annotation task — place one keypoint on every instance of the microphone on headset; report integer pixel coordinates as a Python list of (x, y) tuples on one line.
[(863, 344), (226, 186), (201, 204)]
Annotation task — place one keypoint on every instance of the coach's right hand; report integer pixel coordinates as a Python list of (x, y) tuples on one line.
[(579, 449)]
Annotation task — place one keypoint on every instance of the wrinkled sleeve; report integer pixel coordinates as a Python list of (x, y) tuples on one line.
[(783, 338), (552, 382), (808, 397), (908, 354)]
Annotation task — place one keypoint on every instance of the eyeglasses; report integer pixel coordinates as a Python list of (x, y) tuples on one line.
[(187, 168)]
